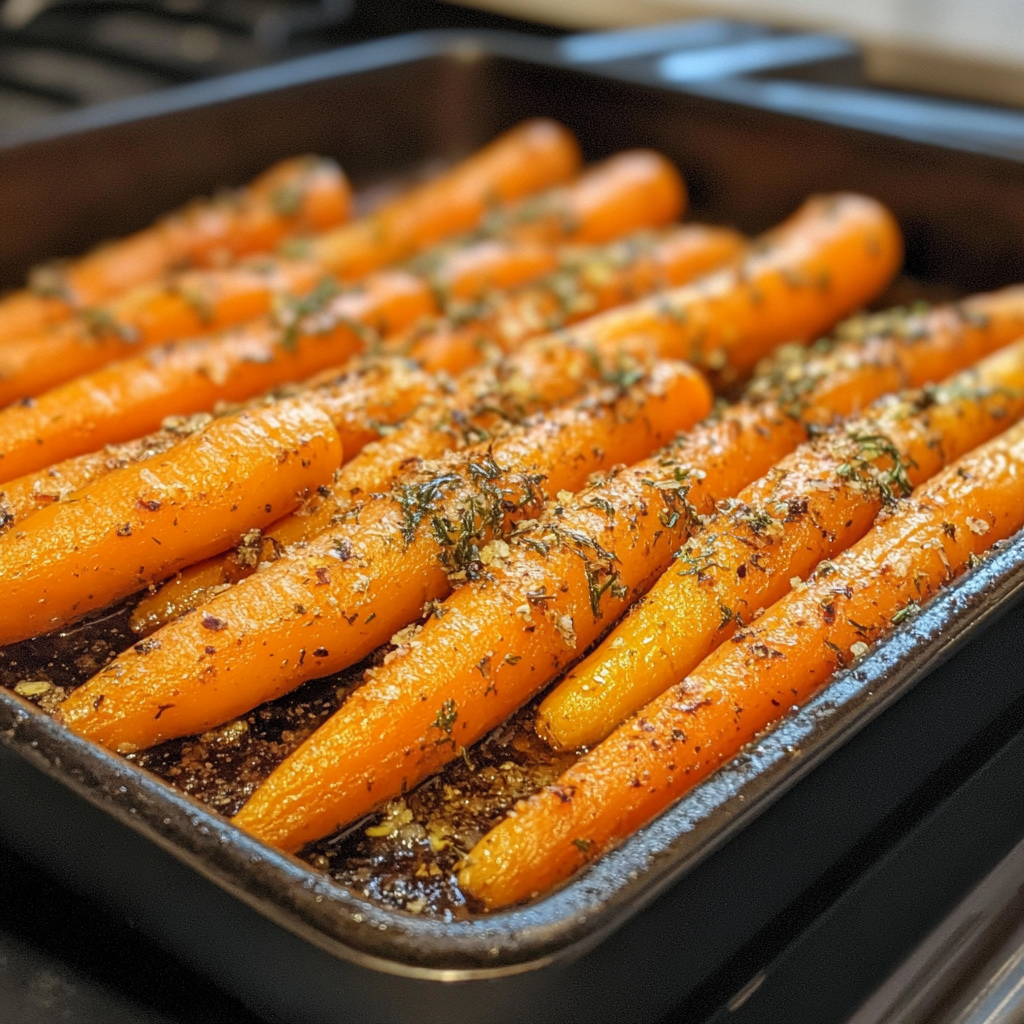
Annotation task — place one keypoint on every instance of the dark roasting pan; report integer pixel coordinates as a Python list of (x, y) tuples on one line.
[(647, 924)]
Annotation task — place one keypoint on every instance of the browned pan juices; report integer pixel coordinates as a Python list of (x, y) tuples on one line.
[(403, 857)]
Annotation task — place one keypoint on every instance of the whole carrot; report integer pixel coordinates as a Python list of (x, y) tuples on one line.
[(589, 280), (829, 258), (530, 157), (139, 524), (650, 190), (781, 660), (812, 505), (297, 195), (27, 494), (327, 605), (132, 397)]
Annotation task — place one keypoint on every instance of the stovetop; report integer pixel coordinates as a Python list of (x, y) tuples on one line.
[(56, 55)]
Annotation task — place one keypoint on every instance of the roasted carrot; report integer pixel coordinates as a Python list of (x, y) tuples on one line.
[(589, 280), (812, 505), (329, 604), (829, 258), (194, 303), (132, 397), (296, 195), (779, 661), (27, 494), (647, 189), (141, 523), (542, 599), (526, 159)]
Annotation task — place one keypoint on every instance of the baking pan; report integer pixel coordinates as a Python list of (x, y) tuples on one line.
[(648, 923)]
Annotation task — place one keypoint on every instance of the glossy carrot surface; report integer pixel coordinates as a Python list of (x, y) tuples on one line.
[(779, 661), (810, 506), (327, 605), (141, 523), (27, 494)]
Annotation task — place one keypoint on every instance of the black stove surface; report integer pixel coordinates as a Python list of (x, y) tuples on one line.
[(56, 55)]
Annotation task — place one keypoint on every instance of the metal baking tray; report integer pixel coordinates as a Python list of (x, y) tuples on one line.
[(647, 924)]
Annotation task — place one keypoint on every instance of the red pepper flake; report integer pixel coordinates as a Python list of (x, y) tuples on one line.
[(212, 622)]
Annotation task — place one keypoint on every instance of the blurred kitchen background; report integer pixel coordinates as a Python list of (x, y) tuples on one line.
[(57, 55)]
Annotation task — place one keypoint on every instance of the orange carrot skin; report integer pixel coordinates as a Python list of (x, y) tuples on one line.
[(139, 524), (331, 603), (21, 497), (829, 258), (494, 264), (500, 638), (361, 402), (296, 195), (635, 188), (487, 404), (591, 280), (195, 303), (133, 397), (192, 588), (530, 157), (887, 352), (780, 661), (811, 505)]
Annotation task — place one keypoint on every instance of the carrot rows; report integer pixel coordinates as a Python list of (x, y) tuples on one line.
[(531, 157), (777, 662), (307, 332), (327, 605), (499, 640), (497, 524), (612, 345)]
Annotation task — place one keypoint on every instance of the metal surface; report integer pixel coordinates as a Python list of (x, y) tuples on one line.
[(265, 925), (970, 969)]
